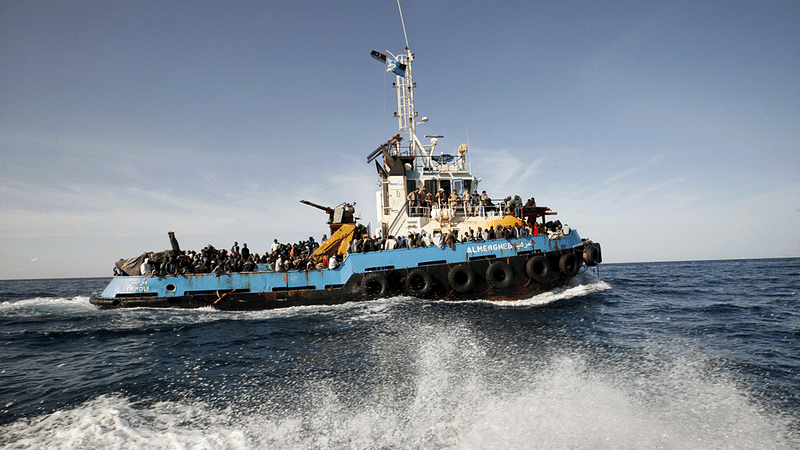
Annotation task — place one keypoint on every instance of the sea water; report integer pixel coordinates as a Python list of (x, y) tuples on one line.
[(660, 355)]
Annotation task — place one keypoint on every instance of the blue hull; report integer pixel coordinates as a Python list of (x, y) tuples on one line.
[(492, 270)]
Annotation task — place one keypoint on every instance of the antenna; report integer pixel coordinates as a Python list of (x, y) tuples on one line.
[(402, 22)]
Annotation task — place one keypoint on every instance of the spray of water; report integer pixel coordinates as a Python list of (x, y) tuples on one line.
[(442, 383), (454, 393)]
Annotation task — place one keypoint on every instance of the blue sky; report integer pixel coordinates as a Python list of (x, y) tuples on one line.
[(665, 131)]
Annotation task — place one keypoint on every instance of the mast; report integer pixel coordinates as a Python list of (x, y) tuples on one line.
[(406, 113), (405, 99), (409, 166)]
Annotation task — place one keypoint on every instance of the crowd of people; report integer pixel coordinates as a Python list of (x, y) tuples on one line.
[(441, 240), (421, 202), (280, 257), (300, 256)]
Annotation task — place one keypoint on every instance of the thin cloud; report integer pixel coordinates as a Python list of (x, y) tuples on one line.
[(634, 170)]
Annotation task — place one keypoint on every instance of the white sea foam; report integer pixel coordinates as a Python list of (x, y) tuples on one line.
[(459, 395), (39, 306), (112, 422), (581, 285), (46, 302)]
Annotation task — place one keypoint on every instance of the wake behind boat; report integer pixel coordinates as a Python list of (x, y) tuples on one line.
[(440, 239)]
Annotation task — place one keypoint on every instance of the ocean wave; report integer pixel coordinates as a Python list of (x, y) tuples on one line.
[(458, 394)]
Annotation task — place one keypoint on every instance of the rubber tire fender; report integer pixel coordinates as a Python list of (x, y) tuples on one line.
[(569, 264), (374, 285), (598, 252), (499, 275), (461, 278), (539, 269), (591, 255), (418, 283)]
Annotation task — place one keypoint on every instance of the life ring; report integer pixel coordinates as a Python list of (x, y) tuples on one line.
[(569, 264), (374, 285), (499, 275), (539, 269), (461, 278), (591, 255), (419, 283)]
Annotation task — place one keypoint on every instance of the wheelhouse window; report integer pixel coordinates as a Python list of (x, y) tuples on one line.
[(410, 186)]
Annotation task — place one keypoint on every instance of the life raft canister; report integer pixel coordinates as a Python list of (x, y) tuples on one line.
[(539, 269), (418, 283), (374, 285), (499, 274), (461, 278)]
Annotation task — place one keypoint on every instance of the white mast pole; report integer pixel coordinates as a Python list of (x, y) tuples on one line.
[(405, 97), (403, 23)]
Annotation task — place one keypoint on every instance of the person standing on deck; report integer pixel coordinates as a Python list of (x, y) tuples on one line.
[(485, 202), (466, 199), (422, 198), (452, 203), (412, 201)]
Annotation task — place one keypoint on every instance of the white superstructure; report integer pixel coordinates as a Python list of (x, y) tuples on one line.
[(408, 164)]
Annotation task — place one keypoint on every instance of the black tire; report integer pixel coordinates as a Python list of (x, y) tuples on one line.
[(569, 264), (539, 269), (591, 255), (418, 283), (374, 285), (461, 278), (598, 252), (499, 275)]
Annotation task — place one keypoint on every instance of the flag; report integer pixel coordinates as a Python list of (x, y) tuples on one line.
[(397, 68), (391, 64), (377, 56)]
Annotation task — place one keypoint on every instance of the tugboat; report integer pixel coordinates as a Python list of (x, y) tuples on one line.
[(477, 248)]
